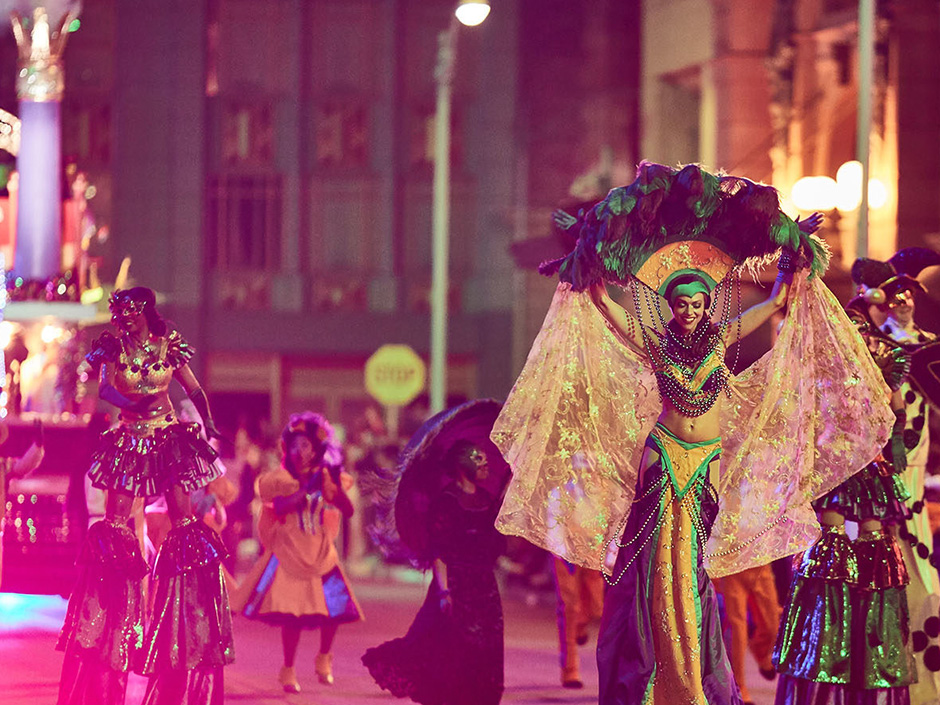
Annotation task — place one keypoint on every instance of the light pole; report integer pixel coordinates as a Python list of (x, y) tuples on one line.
[(470, 13), (866, 39)]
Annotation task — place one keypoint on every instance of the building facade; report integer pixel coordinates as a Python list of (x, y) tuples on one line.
[(266, 165)]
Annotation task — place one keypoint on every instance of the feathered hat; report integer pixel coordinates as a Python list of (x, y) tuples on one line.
[(685, 222), (877, 282), (318, 430)]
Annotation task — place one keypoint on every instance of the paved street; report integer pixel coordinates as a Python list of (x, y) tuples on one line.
[(29, 665)]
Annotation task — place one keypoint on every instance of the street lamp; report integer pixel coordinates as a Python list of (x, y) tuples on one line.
[(470, 13), (841, 195), (844, 193)]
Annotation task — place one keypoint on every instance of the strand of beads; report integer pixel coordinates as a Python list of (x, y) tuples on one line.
[(691, 403)]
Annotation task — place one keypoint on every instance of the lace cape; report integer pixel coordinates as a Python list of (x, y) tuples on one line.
[(808, 414)]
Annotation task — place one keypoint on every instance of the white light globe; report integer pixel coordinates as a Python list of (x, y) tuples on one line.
[(814, 193), (848, 196), (472, 12), (850, 173)]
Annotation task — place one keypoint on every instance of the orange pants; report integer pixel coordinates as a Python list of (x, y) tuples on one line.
[(580, 600), (754, 586)]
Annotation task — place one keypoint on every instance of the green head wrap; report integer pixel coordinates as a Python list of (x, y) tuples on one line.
[(687, 282)]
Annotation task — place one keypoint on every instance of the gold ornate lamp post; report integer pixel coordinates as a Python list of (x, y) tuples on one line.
[(41, 35)]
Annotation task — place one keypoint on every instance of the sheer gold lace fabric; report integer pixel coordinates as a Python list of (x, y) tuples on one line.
[(807, 415)]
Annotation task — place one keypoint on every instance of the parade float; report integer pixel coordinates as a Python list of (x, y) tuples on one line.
[(51, 298)]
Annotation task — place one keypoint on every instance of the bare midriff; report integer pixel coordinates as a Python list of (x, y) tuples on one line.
[(692, 429)]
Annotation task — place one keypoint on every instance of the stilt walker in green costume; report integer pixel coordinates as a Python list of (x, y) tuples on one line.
[(845, 632), (615, 427), (889, 288)]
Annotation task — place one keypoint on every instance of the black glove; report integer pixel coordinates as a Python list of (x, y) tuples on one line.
[(896, 447), (201, 402)]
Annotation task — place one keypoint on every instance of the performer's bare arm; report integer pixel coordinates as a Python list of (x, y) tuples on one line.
[(754, 317), (629, 328)]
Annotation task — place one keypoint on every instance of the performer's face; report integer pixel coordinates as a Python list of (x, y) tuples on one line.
[(475, 465), (901, 307), (127, 315), (687, 311), (301, 453)]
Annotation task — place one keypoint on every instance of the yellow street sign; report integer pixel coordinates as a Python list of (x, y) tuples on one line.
[(395, 375)]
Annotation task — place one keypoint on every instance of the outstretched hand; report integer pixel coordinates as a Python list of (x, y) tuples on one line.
[(563, 220), (810, 224)]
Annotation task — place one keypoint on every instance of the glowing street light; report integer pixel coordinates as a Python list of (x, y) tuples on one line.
[(815, 193), (844, 193), (472, 12)]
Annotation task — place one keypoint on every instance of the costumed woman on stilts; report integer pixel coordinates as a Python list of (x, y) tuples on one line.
[(189, 633), (845, 632), (615, 426), (889, 289)]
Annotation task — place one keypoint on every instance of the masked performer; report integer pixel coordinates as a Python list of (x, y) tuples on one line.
[(299, 583), (149, 453), (889, 288), (845, 635), (453, 652), (614, 428)]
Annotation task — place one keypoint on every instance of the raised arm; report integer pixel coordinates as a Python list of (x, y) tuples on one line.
[(627, 326), (335, 494), (752, 319)]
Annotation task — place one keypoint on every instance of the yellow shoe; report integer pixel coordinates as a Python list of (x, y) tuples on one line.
[(324, 668), (288, 678), (570, 678)]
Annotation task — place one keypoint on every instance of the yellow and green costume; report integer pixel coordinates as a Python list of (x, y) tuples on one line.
[(798, 422)]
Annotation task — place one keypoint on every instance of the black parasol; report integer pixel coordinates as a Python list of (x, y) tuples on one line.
[(423, 473)]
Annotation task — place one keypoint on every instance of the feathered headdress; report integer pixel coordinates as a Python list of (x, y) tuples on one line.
[(320, 433), (674, 219)]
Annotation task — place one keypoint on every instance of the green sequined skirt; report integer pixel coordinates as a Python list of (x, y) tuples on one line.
[(846, 618), (875, 492)]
